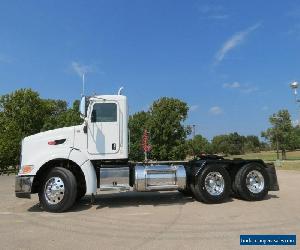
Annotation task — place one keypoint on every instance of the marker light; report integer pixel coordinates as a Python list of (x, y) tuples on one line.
[(26, 169), (51, 142)]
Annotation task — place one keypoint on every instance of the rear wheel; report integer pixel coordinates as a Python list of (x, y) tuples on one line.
[(59, 190), (252, 182), (212, 185)]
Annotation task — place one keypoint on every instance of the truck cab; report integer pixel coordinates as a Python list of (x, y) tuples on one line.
[(104, 135)]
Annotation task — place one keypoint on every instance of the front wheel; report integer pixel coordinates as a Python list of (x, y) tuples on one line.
[(59, 190), (212, 185), (80, 193)]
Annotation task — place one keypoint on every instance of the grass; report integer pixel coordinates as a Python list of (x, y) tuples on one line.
[(290, 165), (292, 162), (269, 155)]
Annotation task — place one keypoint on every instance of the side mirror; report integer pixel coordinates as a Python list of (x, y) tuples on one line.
[(82, 107), (94, 116)]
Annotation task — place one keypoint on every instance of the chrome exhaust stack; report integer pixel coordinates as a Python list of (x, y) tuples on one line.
[(159, 178)]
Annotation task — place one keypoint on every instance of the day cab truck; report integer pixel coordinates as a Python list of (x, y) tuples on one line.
[(65, 164)]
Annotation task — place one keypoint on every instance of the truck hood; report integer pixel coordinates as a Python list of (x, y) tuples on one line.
[(55, 134), (47, 142)]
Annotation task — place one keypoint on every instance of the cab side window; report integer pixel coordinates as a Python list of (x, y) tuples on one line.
[(104, 112)]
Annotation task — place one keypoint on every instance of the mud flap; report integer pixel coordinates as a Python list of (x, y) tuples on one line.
[(274, 186)]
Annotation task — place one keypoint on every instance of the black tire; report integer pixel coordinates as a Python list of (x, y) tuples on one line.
[(80, 194), (192, 188), (234, 192), (240, 182), (186, 192), (69, 194), (201, 193)]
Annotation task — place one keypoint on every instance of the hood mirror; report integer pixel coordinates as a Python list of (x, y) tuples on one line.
[(83, 107)]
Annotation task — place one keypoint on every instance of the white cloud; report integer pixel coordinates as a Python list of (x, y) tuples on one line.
[(216, 110), (294, 31), (147, 107), (294, 13), (219, 17), (243, 88), (81, 69), (210, 11), (234, 41), (193, 108), (207, 8), (5, 59), (295, 123), (249, 89), (234, 85), (294, 16)]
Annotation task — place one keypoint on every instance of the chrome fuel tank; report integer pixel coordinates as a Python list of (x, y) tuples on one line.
[(159, 177)]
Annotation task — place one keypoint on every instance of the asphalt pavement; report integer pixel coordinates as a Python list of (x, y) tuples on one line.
[(160, 220)]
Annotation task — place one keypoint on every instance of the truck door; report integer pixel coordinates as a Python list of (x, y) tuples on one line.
[(104, 128)]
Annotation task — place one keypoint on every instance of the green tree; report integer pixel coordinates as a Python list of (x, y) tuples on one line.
[(198, 145), (21, 114), (24, 113), (59, 115), (236, 144), (297, 137), (54, 109), (219, 144), (252, 144), (265, 146), (167, 132), (232, 144), (281, 134), (137, 124)]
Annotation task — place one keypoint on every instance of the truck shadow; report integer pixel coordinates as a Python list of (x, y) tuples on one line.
[(126, 199), (268, 197), (135, 199), (271, 196)]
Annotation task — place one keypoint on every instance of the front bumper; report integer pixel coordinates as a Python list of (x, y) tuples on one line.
[(273, 185), (23, 186)]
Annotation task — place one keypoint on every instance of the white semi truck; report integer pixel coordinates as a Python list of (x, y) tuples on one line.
[(63, 165)]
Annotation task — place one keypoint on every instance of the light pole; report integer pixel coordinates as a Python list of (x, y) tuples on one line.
[(194, 130), (294, 86)]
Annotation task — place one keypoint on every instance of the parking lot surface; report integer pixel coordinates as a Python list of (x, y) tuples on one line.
[(131, 220)]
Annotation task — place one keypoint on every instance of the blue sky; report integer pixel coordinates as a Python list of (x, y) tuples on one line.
[(231, 61)]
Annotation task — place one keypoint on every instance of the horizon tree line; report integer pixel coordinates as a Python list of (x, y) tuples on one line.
[(23, 113)]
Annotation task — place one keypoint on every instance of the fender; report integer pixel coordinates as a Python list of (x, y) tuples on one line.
[(40, 159), (74, 155), (194, 170), (87, 168)]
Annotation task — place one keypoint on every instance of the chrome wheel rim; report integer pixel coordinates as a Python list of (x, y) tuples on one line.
[(255, 181), (54, 190), (214, 183)]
